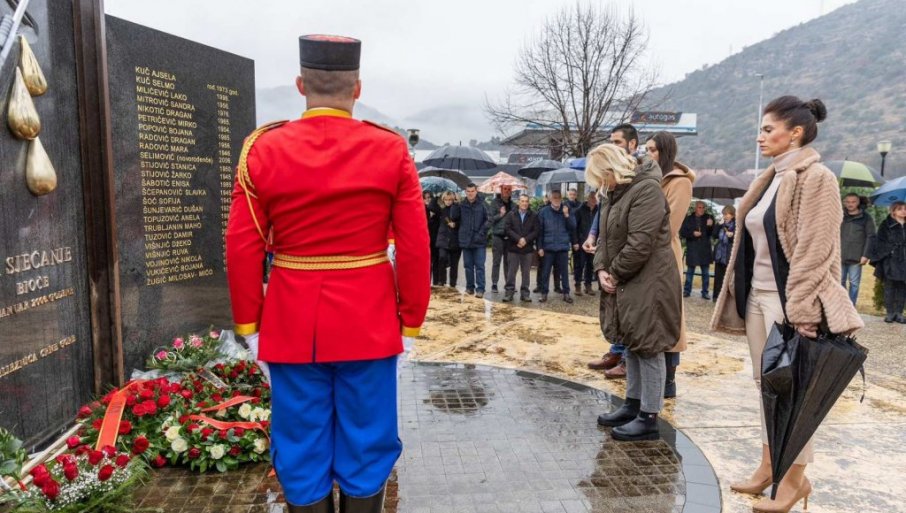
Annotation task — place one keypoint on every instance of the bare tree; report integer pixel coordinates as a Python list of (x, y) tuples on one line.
[(582, 70)]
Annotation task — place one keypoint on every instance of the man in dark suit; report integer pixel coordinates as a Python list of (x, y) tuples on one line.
[(521, 227)]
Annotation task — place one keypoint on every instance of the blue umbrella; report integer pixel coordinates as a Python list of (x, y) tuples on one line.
[(578, 164), (890, 192)]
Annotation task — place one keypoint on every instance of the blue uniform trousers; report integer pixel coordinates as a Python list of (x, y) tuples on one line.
[(334, 422)]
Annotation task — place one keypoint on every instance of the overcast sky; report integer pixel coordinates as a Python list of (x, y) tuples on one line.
[(421, 54)]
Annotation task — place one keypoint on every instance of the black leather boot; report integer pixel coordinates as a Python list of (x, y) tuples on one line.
[(643, 427), (670, 384), (324, 505), (373, 504), (621, 415)]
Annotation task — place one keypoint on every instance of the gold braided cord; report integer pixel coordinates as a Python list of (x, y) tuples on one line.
[(321, 259), (329, 266), (242, 171)]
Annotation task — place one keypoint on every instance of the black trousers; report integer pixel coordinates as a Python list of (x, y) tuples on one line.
[(448, 258), (522, 263), (498, 256), (894, 296), (435, 271), (583, 267), (720, 270)]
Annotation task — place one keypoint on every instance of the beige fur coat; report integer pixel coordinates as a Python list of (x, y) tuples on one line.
[(809, 214), (677, 187)]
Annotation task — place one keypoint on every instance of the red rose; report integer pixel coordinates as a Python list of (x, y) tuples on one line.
[(82, 449), (95, 457), (234, 374), (51, 489), (150, 407), (131, 400), (140, 445), (175, 388), (158, 461), (194, 453), (202, 404), (206, 432), (105, 472), (238, 431), (109, 450), (147, 394), (186, 394), (192, 427), (138, 410), (236, 393), (235, 450), (266, 385), (41, 479), (256, 392), (96, 424), (71, 472), (84, 411), (217, 398), (256, 400), (65, 459), (265, 424), (219, 366), (38, 470), (224, 434), (183, 419), (122, 460), (163, 401), (106, 399), (253, 371), (125, 427), (73, 441)]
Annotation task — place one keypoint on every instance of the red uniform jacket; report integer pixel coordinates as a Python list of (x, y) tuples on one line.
[(328, 186)]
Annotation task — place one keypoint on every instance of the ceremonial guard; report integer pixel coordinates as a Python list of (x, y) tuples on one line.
[(330, 188)]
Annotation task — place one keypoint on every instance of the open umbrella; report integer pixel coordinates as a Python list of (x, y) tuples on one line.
[(577, 164), (890, 192), (717, 186), (801, 379), (560, 176), (535, 168), (436, 185), (464, 158), (854, 174), (493, 184), (456, 176)]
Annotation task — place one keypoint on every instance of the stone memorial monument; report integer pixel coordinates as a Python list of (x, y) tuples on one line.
[(116, 171)]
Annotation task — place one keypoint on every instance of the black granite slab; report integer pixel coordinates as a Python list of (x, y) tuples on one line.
[(180, 111), (45, 337)]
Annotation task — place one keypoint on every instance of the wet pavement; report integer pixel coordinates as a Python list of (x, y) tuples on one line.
[(485, 439)]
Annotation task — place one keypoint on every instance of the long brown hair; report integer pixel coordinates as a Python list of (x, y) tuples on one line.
[(666, 150)]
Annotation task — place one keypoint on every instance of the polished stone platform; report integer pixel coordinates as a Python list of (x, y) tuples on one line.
[(485, 439)]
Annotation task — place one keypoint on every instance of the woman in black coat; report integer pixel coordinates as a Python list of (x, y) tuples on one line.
[(432, 213), (889, 254), (448, 240)]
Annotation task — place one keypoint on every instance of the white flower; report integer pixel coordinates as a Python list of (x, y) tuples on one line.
[(172, 433), (217, 451), (245, 410), (179, 445), (262, 413), (221, 413), (260, 445)]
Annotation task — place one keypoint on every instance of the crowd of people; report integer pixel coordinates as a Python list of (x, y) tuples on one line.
[(775, 256)]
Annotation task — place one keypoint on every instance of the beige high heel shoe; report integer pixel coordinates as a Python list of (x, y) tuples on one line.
[(750, 488), (775, 506)]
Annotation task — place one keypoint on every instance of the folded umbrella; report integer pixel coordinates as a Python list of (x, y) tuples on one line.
[(890, 192), (801, 380)]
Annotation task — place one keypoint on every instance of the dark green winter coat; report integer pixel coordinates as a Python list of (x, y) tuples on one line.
[(634, 246)]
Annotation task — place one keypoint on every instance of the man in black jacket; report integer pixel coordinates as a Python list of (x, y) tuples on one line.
[(500, 207), (857, 231), (696, 229), (583, 262), (522, 230)]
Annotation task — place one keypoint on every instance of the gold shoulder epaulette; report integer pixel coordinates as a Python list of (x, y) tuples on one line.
[(382, 127), (242, 170)]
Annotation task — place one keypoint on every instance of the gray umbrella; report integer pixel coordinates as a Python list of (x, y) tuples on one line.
[(536, 168), (464, 158), (455, 176), (560, 176)]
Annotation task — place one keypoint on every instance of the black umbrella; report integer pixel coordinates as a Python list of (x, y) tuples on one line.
[(457, 177), (464, 158), (435, 185), (535, 168), (713, 186), (801, 379), (560, 176)]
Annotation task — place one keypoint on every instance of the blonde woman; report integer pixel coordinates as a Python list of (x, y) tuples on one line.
[(785, 263), (641, 305)]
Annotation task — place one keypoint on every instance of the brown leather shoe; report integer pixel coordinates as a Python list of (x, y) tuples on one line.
[(618, 372), (608, 361)]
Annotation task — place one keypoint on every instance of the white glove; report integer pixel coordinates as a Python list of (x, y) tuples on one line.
[(252, 341)]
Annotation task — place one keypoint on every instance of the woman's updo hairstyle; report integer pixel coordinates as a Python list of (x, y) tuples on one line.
[(795, 112)]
